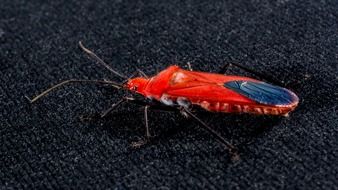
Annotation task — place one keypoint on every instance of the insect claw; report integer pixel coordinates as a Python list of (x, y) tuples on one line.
[(30, 100), (234, 156), (138, 144), (286, 115), (140, 72), (184, 114), (89, 118), (129, 98)]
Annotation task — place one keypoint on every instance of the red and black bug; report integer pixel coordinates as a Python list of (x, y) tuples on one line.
[(177, 89)]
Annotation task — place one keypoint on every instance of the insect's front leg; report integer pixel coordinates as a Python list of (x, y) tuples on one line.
[(146, 121), (106, 112), (137, 101), (142, 142), (113, 107)]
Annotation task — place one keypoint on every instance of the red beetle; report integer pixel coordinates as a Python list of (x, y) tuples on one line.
[(177, 89)]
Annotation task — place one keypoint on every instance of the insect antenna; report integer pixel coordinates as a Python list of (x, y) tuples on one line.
[(137, 72), (44, 93), (99, 60)]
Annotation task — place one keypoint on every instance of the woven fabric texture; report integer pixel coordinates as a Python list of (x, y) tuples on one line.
[(54, 144)]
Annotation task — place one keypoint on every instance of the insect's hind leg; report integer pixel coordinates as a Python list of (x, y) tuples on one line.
[(266, 77), (224, 69), (232, 149)]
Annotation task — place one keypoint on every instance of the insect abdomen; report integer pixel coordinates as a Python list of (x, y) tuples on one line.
[(242, 108)]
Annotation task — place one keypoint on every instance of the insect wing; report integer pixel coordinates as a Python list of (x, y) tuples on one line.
[(263, 93)]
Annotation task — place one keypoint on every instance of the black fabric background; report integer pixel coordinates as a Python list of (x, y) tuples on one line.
[(46, 145)]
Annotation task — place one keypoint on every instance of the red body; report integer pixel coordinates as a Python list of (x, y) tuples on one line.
[(211, 91)]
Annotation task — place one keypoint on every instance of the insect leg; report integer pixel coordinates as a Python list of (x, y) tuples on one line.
[(141, 73), (112, 107), (128, 100), (266, 77), (142, 142), (224, 69), (146, 121), (189, 66), (232, 149)]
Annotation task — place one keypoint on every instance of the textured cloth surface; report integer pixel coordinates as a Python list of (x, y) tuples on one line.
[(48, 145)]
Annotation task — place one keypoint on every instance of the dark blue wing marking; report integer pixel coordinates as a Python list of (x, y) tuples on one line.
[(262, 92)]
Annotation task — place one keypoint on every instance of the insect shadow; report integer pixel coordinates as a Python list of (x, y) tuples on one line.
[(242, 130)]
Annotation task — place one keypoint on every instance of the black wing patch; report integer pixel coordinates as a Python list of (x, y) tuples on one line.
[(262, 92)]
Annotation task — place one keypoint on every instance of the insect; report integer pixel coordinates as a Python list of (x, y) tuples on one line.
[(176, 89)]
